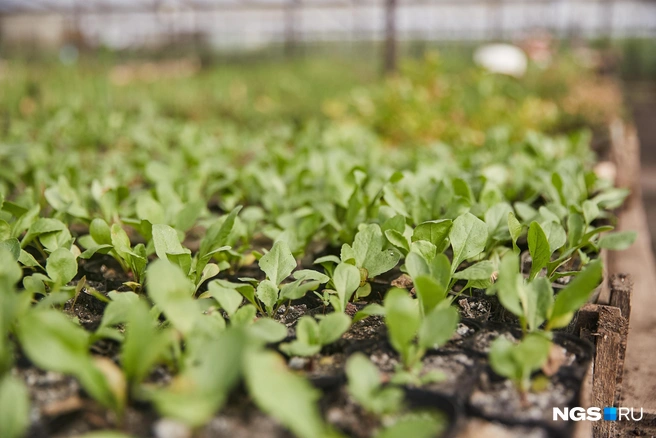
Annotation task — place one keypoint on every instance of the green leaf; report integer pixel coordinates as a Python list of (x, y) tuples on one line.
[(416, 265), (518, 361), (440, 270), (14, 408), (540, 301), (575, 295), (246, 290), (403, 321), (364, 385), (346, 280), (218, 233), (228, 298), (369, 252), (170, 289), (166, 241), (525, 211), (575, 227), (502, 359), (120, 241), (288, 398), (370, 310), (394, 201), (590, 211), (267, 292), (510, 284), (53, 342), (398, 239), (461, 188), (515, 229), (211, 270), (332, 327), (244, 316), (618, 241), (100, 249), (435, 232), (297, 289), (10, 271), (117, 311), (100, 232), (468, 238), (268, 330), (278, 263), (144, 343), (297, 348), (311, 274), (415, 425), (61, 266), (327, 259), (555, 235), (478, 271), (214, 368), (307, 342), (13, 246), (538, 246), (496, 218), (429, 292), (438, 327), (43, 226)]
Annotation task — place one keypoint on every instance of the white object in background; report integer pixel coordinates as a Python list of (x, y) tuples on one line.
[(502, 58)]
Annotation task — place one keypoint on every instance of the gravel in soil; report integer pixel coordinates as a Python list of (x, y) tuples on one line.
[(477, 427), (501, 400)]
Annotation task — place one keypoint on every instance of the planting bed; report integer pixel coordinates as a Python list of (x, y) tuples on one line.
[(344, 278)]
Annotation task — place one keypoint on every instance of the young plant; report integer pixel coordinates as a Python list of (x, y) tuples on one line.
[(61, 267), (278, 264), (14, 396), (365, 386), (53, 342), (518, 361), (212, 367), (287, 397), (312, 336), (533, 301), (387, 402), (114, 241), (369, 256), (411, 333)]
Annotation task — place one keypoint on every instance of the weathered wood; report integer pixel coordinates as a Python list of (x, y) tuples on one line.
[(608, 329), (621, 286)]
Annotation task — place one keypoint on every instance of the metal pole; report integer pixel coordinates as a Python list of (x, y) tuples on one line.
[(390, 37), (290, 27)]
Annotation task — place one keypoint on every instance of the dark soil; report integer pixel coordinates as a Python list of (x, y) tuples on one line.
[(469, 393)]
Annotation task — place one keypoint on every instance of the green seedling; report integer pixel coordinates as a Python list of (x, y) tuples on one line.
[(278, 264), (312, 336), (114, 241), (518, 361), (53, 342), (213, 365), (365, 386), (411, 334), (288, 398), (368, 258)]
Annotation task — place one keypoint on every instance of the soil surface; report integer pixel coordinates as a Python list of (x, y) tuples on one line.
[(462, 388)]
